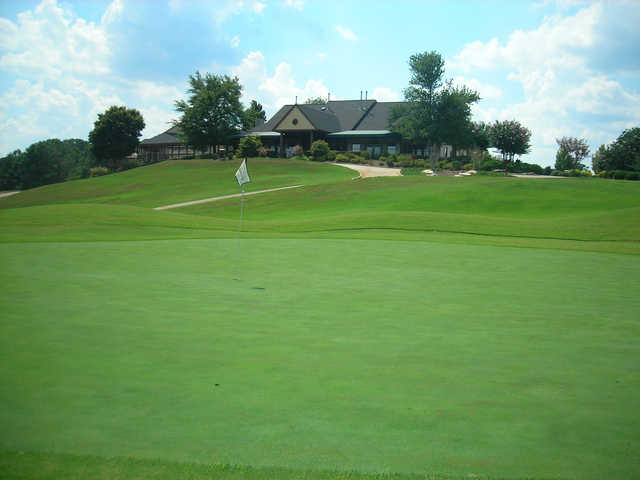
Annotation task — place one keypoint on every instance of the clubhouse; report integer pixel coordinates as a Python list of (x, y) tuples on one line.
[(346, 125)]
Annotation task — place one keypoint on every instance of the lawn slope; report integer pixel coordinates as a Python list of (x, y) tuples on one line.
[(177, 181), (365, 355)]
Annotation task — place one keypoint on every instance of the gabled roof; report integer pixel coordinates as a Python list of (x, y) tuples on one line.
[(170, 136), (338, 115), (377, 118)]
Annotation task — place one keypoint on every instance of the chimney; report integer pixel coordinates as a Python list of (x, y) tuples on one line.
[(366, 94), (296, 99), (328, 97)]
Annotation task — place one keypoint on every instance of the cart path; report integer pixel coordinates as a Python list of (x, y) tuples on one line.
[(223, 197), (8, 194), (367, 171)]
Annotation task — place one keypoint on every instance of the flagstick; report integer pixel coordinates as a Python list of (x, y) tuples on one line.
[(239, 231)]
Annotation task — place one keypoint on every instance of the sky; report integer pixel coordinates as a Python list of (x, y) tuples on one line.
[(560, 67)]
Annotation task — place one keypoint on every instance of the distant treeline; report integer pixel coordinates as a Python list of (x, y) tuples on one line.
[(45, 162)]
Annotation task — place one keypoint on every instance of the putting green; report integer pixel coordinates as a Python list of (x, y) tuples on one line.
[(378, 356)]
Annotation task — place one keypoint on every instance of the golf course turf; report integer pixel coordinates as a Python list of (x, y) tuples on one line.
[(382, 328)]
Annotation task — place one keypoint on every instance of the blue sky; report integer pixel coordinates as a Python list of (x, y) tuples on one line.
[(560, 67)]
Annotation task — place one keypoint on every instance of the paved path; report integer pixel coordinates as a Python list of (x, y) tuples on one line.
[(519, 175), (223, 197), (7, 194), (369, 171)]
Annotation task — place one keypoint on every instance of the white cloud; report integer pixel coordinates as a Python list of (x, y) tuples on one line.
[(346, 33), (485, 90), (64, 79), (49, 41), (257, 7), (235, 41), (223, 9), (385, 94), (275, 90), (113, 12), (297, 4), (562, 93), (321, 55), (8, 35)]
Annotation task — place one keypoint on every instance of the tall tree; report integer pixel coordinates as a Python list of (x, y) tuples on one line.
[(253, 113), (436, 111), (510, 138), (115, 135), (599, 159), (315, 101), (452, 118), (213, 113), (575, 150), (624, 153)]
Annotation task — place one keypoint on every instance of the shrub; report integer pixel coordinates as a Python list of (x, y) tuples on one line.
[(411, 171), (366, 155), (546, 171), (342, 158), (297, 151), (602, 174), (405, 160), (633, 175), (456, 164), (619, 174), (128, 163), (262, 151), (319, 151), (248, 146), (331, 156), (98, 171), (467, 166)]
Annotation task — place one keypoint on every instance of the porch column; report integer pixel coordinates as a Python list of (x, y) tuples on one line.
[(282, 153), (310, 138)]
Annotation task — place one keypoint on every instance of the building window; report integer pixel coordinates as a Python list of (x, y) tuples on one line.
[(294, 121), (391, 149), (355, 147)]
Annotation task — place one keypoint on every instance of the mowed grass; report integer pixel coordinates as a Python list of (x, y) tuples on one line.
[(177, 181), (361, 339)]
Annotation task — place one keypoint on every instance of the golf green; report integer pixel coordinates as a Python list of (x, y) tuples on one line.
[(367, 355)]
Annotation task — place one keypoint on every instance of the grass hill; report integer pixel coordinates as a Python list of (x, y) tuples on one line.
[(591, 214), (367, 329)]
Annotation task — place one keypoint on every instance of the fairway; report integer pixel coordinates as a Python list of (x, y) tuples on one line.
[(360, 335)]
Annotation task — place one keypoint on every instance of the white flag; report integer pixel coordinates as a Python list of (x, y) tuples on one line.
[(242, 175)]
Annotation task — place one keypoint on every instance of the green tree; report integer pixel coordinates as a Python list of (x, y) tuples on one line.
[(249, 146), (316, 101), (480, 135), (213, 112), (624, 153), (563, 160), (415, 121), (253, 113), (452, 120), (575, 149), (598, 160), (435, 112), (11, 170), (115, 135), (510, 138), (320, 151)]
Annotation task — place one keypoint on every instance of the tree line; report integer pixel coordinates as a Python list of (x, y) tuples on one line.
[(438, 112), (116, 134)]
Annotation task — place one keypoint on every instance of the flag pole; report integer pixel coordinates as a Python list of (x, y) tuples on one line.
[(235, 276)]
